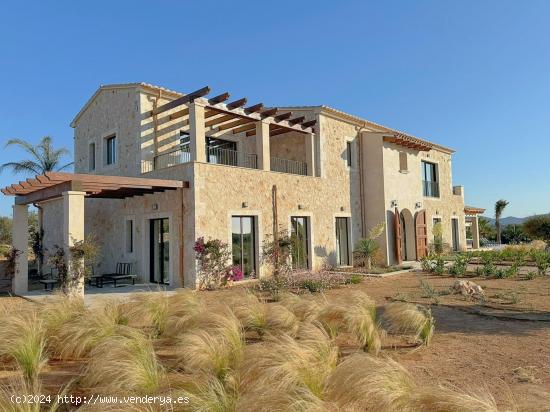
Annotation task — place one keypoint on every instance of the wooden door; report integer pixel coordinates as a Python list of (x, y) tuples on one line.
[(421, 234), (398, 235)]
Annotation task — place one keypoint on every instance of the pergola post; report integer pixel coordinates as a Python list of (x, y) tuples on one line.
[(73, 231), (197, 132), (262, 145), (20, 239), (475, 232), (310, 154)]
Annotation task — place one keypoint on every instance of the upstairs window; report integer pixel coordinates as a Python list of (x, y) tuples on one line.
[(91, 157), (111, 150), (403, 165), (348, 154), (430, 183)]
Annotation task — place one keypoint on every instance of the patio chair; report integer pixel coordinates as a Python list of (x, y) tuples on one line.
[(123, 271), (93, 277), (49, 280)]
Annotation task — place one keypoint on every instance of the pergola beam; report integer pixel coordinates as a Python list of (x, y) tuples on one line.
[(245, 128), (237, 103), (254, 108), (181, 100), (234, 124)]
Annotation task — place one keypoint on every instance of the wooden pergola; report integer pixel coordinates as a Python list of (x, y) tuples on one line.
[(52, 185), (234, 116), (72, 189), (409, 142)]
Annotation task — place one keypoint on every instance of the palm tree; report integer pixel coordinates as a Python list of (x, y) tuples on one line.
[(43, 157), (499, 208)]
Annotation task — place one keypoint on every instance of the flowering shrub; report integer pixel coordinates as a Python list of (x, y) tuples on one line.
[(11, 255), (277, 252), (213, 257)]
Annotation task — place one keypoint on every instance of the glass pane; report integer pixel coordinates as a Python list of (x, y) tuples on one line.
[(247, 245), (165, 250), (155, 250), (236, 240), (342, 247), (299, 242)]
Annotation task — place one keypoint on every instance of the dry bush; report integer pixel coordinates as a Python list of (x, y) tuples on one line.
[(303, 308), (445, 399), (364, 382), (58, 311), (408, 318), (215, 349), (290, 364), (23, 340), (18, 386), (84, 332), (212, 395), (332, 318), (360, 319), (262, 318), (125, 364)]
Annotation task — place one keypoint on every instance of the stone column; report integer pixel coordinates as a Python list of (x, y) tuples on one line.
[(310, 154), (197, 132), (73, 230), (475, 232), (262, 145), (20, 239)]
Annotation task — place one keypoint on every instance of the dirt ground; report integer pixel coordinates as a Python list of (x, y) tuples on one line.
[(477, 345), (476, 351)]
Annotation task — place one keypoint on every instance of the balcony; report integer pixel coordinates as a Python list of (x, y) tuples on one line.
[(226, 157), (288, 166), (430, 188)]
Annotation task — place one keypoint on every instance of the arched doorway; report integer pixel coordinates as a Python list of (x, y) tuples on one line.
[(408, 237)]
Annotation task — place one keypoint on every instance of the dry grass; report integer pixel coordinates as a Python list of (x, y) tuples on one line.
[(125, 364), (84, 332), (368, 383), (23, 340), (408, 318), (216, 349), (295, 367)]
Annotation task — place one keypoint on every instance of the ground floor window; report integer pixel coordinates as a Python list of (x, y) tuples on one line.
[(159, 232), (454, 227), (342, 241), (299, 238), (243, 243)]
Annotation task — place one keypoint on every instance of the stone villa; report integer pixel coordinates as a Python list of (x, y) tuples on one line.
[(156, 169)]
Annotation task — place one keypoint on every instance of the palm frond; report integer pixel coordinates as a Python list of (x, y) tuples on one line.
[(25, 166)]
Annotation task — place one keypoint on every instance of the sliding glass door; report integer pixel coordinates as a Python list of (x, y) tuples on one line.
[(243, 243), (342, 241), (159, 232), (300, 242)]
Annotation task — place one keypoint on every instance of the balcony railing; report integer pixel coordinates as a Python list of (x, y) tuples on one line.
[(430, 188), (232, 158), (288, 166), (223, 157)]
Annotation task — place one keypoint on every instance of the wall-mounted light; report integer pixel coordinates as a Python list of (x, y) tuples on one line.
[(418, 205), (342, 208), (245, 205), (394, 203), (155, 206), (300, 207)]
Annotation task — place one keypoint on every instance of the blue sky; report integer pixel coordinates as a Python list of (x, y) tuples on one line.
[(472, 75)]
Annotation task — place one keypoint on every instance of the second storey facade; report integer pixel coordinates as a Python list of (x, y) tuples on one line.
[(321, 175)]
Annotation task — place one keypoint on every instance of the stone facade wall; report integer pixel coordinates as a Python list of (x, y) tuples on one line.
[(217, 192)]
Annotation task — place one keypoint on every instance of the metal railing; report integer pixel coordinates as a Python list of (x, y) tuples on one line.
[(172, 158), (288, 166), (232, 158), (430, 188)]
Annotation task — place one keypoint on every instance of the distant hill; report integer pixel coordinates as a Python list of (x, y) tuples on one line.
[(509, 220)]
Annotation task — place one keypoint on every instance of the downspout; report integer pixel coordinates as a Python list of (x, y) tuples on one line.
[(361, 178)]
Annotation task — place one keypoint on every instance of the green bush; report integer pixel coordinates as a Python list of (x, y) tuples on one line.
[(459, 266), (354, 279), (531, 275)]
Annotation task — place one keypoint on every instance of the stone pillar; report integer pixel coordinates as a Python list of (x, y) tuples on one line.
[(20, 239), (197, 132), (73, 230), (475, 232), (262, 145), (310, 154)]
